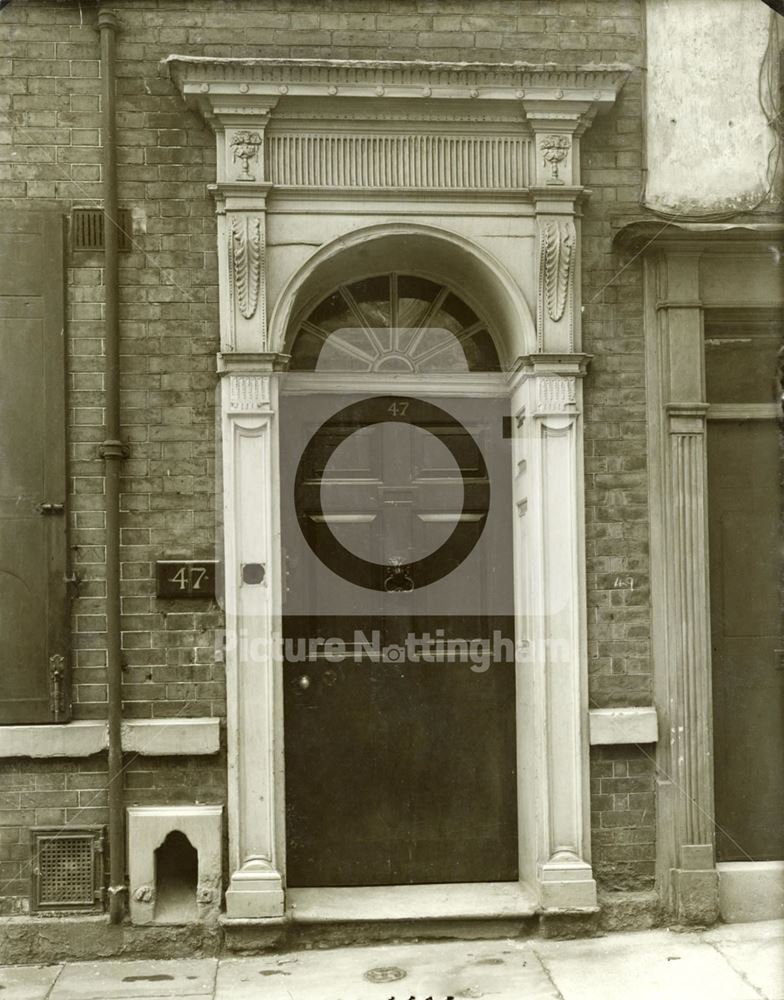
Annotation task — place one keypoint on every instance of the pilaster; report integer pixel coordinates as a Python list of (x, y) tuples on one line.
[(688, 751), (549, 503), (253, 670), (557, 195), (241, 204)]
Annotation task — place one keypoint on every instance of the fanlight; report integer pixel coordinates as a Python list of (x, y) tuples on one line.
[(393, 323)]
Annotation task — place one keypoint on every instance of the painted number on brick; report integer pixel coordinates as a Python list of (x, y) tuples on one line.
[(186, 578)]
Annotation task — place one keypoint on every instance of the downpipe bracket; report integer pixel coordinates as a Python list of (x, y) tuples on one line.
[(113, 449)]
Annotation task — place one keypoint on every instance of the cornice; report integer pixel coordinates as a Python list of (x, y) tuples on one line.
[(657, 234), (412, 125), (246, 80)]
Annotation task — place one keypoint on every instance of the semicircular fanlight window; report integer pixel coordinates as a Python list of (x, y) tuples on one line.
[(393, 323)]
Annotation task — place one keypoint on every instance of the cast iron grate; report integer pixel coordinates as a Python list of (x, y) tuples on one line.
[(67, 869), (87, 229)]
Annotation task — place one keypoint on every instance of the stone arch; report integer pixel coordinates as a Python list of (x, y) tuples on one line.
[(427, 251)]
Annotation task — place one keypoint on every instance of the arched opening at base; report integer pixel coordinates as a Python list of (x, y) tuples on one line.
[(176, 877)]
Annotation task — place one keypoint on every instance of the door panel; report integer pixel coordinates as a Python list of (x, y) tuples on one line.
[(400, 768), (748, 680)]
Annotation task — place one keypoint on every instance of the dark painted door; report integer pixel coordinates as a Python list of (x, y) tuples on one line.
[(400, 738), (33, 605), (748, 664)]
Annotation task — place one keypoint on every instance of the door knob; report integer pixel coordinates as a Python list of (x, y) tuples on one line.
[(50, 508), (304, 682)]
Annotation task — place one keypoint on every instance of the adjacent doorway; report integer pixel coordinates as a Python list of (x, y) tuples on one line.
[(744, 483)]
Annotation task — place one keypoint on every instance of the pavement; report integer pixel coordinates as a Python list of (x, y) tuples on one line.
[(730, 962)]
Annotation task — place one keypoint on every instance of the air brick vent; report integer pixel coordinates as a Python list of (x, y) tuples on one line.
[(67, 869), (87, 229)]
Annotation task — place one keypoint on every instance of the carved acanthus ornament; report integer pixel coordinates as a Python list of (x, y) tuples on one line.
[(245, 261), (245, 147), (556, 263)]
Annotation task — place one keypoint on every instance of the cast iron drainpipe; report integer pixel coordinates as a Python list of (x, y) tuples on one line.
[(113, 451)]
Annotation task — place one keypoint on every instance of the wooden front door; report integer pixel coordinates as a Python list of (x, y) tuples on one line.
[(748, 679), (399, 733), (744, 499)]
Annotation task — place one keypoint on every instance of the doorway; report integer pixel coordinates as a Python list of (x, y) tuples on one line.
[(398, 627), (744, 482)]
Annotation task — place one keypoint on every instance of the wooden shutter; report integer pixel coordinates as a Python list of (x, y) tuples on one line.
[(33, 543)]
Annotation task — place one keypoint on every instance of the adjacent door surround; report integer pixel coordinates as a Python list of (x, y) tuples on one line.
[(689, 268), (327, 170)]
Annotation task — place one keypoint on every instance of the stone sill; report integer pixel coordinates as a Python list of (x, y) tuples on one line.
[(750, 891), (147, 737), (617, 726), (184, 737)]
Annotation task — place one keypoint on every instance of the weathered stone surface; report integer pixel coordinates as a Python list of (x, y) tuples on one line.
[(149, 978), (697, 895), (649, 965), (30, 940), (754, 950), (566, 926), (629, 911), (502, 969)]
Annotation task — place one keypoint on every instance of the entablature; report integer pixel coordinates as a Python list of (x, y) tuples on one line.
[(386, 125)]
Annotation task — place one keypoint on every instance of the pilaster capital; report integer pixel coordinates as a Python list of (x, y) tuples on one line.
[(557, 126), (558, 200), (252, 362), (239, 121), (550, 385), (233, 196), (571, 363), (687, 418), (237, 110)]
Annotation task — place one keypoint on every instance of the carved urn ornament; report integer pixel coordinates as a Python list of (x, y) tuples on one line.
[(245, 147), (555, 149)]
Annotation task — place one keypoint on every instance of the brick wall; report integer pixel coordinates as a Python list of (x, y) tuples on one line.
[(623, 817), (50, 158), (65, 792)]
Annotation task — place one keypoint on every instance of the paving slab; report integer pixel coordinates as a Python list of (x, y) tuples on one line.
[(760, 930), (756, 952), (650, 965), (27, 982), (132, 980), (503, 970)]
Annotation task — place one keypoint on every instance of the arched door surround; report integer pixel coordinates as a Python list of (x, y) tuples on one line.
[(467, 177)]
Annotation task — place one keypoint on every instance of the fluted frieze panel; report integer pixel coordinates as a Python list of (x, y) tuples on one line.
[(441, 162), (556, 394), (249, 393)]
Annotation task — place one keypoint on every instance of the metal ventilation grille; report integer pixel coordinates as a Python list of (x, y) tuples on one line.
[(67, 869), (87, 229)]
